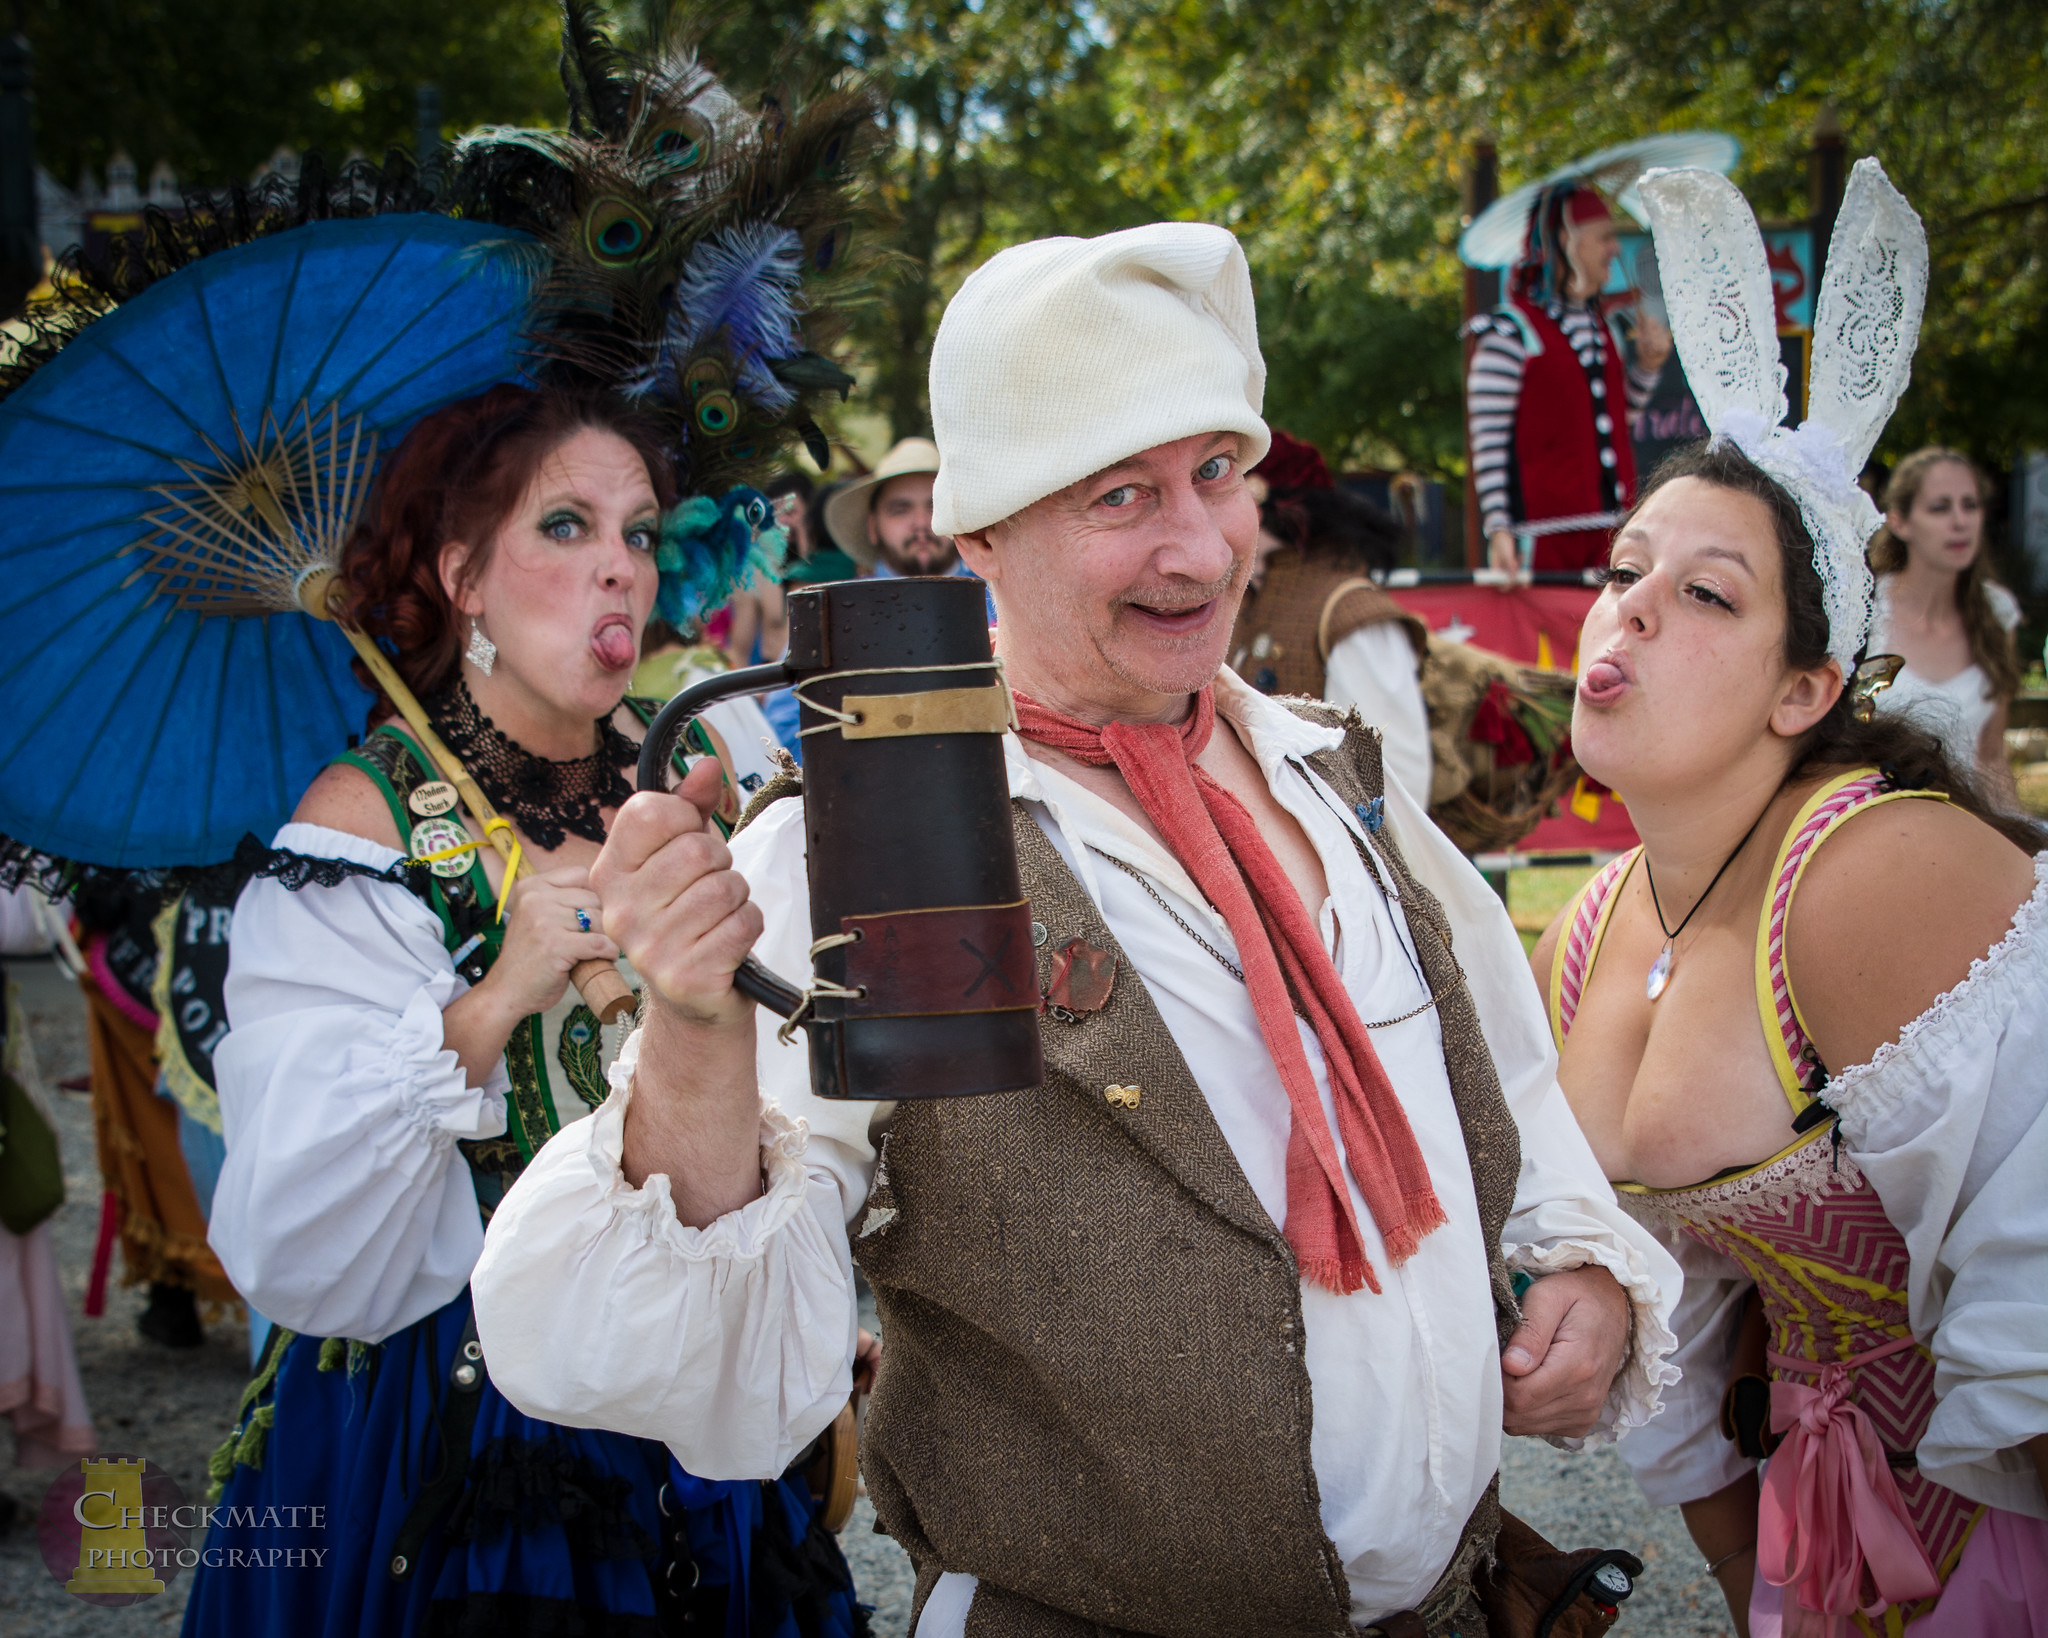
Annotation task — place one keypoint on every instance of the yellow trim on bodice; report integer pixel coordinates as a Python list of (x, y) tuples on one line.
[(1766, 995), (1564, 940)]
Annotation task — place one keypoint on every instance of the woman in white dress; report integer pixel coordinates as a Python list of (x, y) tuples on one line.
[(1940, 611)]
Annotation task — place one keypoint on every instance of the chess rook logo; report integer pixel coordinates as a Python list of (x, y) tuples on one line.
[(108, 1530)]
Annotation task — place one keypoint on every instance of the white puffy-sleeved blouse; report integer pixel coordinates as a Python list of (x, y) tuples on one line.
[(344, 1208)]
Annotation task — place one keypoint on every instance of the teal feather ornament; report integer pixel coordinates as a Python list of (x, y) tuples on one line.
[(709, 548)]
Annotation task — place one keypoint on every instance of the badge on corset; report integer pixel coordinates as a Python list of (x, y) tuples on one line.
[(432, 836)]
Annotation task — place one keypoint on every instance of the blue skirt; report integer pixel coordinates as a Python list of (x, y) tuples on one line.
[(555, 1533)]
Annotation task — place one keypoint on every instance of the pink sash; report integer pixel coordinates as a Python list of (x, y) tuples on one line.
[(1830, 1517)]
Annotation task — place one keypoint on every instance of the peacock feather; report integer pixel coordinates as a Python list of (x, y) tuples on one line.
[(698, 250)]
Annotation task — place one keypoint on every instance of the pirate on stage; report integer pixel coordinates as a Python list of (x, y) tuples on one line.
[(1218, 1329), (1549, 396)]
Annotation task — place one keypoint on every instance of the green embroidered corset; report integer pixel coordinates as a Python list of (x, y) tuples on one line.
[(555, 1060)]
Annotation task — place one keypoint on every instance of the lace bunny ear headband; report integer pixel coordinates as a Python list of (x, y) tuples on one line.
[(1717, 285)]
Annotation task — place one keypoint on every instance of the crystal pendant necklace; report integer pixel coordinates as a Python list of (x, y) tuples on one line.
[(1660, 969)]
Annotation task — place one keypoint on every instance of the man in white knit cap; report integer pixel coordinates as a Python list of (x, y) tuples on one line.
[(1216, 1331)]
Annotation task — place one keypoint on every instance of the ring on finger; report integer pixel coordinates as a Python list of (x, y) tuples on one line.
[(583, 918)]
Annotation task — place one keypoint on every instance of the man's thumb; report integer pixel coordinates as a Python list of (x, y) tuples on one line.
[(700, 786), (1531, 1341)]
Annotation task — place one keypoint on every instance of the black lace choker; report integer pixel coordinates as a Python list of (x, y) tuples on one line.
[(546, 800)]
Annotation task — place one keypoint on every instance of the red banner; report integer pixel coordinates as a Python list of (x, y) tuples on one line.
[(1536, 625)]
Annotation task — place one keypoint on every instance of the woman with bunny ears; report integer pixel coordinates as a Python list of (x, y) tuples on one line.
[(1805, 1024)]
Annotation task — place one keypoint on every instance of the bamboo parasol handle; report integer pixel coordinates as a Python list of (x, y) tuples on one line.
[(603, 987)]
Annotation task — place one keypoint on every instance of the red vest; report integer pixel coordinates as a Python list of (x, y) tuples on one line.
[(1564, 462)]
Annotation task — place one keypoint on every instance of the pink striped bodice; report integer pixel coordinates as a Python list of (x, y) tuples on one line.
[(1805, 1225)]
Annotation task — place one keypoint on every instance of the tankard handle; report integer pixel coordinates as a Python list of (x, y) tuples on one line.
[(657, 752)]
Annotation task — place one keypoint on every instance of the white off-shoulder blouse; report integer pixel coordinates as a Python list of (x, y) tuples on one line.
[(1949, 1124)]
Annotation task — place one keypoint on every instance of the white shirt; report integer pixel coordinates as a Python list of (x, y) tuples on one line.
[(733, 1343), (1373, 671), (344, 1208), (1954, 710)]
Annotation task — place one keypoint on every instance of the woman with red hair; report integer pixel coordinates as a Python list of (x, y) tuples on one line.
[(404, 1039)]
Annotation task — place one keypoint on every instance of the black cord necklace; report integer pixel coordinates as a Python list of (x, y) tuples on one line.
[(1660, 969)]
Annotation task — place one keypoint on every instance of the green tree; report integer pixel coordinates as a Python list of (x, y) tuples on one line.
[(1330, 135), (215, 86)]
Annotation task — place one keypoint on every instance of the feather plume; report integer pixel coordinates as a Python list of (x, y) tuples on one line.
[(600, 100), (744, 283), (700, 246)]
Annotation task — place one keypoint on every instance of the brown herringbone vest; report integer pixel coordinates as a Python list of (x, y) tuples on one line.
[(1094, 1398)]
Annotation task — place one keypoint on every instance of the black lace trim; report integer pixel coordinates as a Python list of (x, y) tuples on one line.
[(798, 1578), (50, 875), (546, 800), (208, 221), (528, 1485), (60, 878), (301, 870)]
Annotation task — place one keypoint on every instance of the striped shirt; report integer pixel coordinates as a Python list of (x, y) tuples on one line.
[(1493, 389)]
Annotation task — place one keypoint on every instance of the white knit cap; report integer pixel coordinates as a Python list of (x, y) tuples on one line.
[(1063, 356)]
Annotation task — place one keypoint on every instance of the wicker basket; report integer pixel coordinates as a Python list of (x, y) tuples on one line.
[(1480, 804)]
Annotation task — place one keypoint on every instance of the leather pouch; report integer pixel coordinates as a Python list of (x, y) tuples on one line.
[(1535, 1590), (1746, 1417)]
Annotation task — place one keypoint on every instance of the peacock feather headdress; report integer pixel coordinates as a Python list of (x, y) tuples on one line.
[(694, 251)]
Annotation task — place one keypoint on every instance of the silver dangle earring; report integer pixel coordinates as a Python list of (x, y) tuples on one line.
[(482, 652)]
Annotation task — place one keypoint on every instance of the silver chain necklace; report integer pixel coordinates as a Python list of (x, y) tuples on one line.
[(1223, 960)]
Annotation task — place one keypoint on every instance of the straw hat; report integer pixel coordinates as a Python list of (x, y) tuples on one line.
[(846, 513)]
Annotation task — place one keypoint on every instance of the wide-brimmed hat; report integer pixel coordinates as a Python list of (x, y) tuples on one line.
[(846, 513)]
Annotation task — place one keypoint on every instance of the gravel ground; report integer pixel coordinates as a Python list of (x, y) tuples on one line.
[(170, 1406), (175, 1407)]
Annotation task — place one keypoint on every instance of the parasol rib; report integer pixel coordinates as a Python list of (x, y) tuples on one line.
[(283, 328), (140, 783), (57, 633), (135, 373), (416, 320), (45, 418), (220, 709), (215, 355), (114, 698), (369, 287), (280, 786)]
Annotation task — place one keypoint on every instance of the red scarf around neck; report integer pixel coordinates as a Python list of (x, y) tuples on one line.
[(1217, 841)]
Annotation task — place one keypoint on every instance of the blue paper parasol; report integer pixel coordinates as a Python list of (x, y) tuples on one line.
[(154, 711)]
